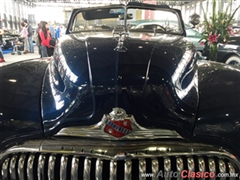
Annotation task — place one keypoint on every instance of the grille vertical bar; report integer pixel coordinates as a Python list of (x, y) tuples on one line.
[(190, 164), (222, 166), (167, 167), (180, 166), (212, 166), (201, 164), (51, 167), (231, 171), (41, 167), (30, 168), (87, 169), (63, 168), (113, 170), (4, 170), (231, 168), (142, 168), (99, 168), (74, 168), (128, 170), (21, 162), (155, 168), (12, 168)]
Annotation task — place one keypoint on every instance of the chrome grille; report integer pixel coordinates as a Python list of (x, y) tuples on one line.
[(48, 166)]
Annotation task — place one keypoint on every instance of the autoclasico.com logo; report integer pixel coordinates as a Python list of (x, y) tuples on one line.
[(190, 174)]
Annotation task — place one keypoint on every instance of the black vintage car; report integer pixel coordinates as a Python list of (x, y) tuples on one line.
[(116, 103)]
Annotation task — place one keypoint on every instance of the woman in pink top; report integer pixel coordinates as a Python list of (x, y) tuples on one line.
[(44, 37)]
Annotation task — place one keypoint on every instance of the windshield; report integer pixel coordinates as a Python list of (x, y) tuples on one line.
[(137, 20)]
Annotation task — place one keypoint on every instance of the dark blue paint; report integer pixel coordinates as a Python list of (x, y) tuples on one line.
[(20, 110), (138, 80), (219, 106)]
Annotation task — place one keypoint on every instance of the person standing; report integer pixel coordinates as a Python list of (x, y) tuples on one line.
[(51, 29), (58, 31), (1, 42), (24, 34), (37, 39), (30, 34), (45, 38)]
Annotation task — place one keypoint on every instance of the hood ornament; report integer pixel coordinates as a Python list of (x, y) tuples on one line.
[(122, 34), (118, 125)]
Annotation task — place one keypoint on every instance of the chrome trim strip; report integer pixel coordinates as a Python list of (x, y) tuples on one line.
[(167, 167), (51, 166), (142, 169), (41, 166), (180, 166), (91, 132), (21, 162), (30, 163), (74, 168), (63, 168), (113, 170), (155, 168), (4, 171), (12, 168), (128, 170), (87, 169), (99, 167)]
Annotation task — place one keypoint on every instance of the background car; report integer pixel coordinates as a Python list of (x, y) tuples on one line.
[(227, 53), (192, 34), (117, 103)]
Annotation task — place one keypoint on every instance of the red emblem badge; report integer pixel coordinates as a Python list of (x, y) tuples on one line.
[(117, 123)]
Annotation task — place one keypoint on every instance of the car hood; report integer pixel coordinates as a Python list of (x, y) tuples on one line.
[(151, 77)]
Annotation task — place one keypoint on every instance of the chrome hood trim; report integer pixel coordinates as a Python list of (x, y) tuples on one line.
[(118, 114)]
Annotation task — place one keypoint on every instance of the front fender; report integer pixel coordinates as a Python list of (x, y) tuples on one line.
[(219, 105), (20, 89)]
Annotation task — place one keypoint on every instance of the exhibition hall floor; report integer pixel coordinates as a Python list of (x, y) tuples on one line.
[(9, 58)]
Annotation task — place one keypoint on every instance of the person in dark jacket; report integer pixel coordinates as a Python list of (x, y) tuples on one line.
[(30, 35)]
